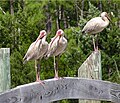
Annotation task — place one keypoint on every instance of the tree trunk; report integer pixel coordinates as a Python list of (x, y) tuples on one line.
[(11, 7), (76, 11), (49, 23), (58, 16), (49, 19), (100, 5), (82, 9), (23, 4), (64, 17)]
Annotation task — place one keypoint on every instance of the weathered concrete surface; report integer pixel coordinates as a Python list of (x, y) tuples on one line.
[(66, 88), (4, 69)]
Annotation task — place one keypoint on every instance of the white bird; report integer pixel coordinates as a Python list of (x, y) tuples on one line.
[(96, 25), (56, 47), (36, 52)]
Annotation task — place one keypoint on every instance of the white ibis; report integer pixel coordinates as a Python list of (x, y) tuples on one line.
[(96, 25), (56, 47), (36, 52)]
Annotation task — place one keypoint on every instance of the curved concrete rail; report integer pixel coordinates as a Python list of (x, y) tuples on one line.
[(66, 88)]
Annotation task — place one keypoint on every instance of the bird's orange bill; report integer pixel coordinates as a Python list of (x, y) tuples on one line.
[(39, 37), (53, 40), (59, 38), (36, 41), (108, 17)]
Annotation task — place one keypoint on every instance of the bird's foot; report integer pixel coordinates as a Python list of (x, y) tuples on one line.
[(57, 78), (41, 82)]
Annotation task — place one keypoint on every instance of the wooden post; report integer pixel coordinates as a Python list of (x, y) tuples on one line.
[(91, 69), (4, 69)]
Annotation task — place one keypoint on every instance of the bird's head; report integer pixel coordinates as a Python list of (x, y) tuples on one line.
[(60, 32), (42, 34), (105, 14)]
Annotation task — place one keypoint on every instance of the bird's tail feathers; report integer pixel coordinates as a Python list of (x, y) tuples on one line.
[(24, 60)]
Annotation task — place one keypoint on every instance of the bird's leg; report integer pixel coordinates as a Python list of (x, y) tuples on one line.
[(38, 72), (37, 67), (56, 66), (94, 43)]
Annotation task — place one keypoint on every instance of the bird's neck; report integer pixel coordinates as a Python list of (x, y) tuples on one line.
[(44, 38), (106, 20)]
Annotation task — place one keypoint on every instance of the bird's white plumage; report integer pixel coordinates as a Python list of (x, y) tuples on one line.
[(33, 51), (36, 50), (57, 46), (43, 48), (96, 24)]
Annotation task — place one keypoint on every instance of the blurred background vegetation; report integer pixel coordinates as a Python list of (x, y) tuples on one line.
[(21, 21)]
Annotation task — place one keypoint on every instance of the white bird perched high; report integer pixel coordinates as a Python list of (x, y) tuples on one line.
[(36, 52), (56, 47), (96, 25)]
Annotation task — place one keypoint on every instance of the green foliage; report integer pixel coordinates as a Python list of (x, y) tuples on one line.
[(93, 11), (18, 31)]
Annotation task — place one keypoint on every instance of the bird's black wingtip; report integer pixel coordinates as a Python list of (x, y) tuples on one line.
[(83, 32)]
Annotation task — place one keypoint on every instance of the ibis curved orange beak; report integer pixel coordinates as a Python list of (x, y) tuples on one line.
[(55, 38), (108, 17), (39, 37)]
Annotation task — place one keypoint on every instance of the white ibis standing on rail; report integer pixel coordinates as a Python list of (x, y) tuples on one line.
[(36, 52), (56, 47), (96, 25)]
